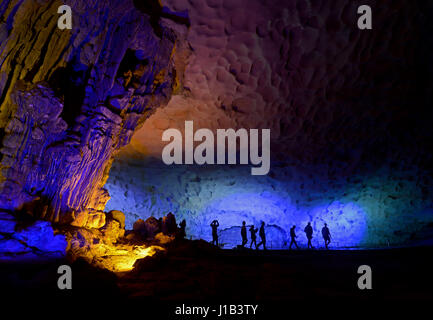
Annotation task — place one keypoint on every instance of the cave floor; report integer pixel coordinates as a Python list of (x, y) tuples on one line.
[(196, 271), (283, 275)]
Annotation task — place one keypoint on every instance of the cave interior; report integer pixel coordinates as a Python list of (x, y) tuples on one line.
[(83, 112)]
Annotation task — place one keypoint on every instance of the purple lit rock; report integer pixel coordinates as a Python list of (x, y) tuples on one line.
[(147, 229), (168, 225), (78, 99)]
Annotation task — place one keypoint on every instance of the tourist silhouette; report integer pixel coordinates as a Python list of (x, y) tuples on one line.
[(215, 224), (262, 236), (244, 234), (326, 236), (253, 232), (182, 227), (309, 232), (293, 238)]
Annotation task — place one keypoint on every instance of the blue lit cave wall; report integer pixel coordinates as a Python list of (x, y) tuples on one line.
[(329, 92), (378, 207)]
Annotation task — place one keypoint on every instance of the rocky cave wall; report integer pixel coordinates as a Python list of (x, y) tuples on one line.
[(349, 112), (379, 207), (70, 99), (326, 89)]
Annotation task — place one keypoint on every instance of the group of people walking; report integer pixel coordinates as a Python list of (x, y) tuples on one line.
[(326, 234)]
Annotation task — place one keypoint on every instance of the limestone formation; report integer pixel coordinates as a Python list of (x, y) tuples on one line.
[(349, 113), (70, 99), (168, 225)]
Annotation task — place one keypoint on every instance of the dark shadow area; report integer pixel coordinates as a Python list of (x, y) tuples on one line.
[(196, 273), (37, 280), (132, 68), (69, 84), (155, 11)]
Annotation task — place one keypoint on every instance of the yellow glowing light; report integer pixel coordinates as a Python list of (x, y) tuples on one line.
[(121, 258)]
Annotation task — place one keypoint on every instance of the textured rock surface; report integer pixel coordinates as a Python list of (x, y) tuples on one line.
[(29, 239), (70, 98), (41, 236), (327, 90), (369, 207), (349, 112), (107, 247)]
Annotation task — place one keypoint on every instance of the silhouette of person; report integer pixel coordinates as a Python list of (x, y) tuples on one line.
[(182, 227), (215, 224), (309, 232), (293, 238), (244, 234), (262, 236), (253, 232), (326, 236)]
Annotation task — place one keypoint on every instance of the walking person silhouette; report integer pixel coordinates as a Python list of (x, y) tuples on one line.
[(215, 224), (244, 234), (326, 234), (253, 232), (309, 232), (262, 236), (293, 238)]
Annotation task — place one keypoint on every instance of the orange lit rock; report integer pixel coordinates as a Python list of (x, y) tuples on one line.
[(96, 220), (113, 231), (89, 219), (118, 216), (163, 239), (107, 248), (80, 219)]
